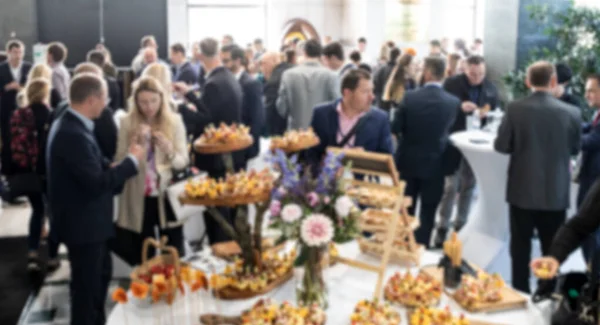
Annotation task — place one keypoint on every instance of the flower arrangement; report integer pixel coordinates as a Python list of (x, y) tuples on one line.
[(314, 212)]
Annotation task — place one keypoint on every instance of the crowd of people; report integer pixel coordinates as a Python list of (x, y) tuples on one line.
[(74, 143)]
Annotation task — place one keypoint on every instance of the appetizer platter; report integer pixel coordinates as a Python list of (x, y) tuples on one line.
[(430, 316), (542, 270), (237, 283), (374, 220), (373, 194), (223, 139), (295, 140), (413, 291), (236, 189), (231, 249), (404, 249), (483, 293), (374, 312), (268, 312)]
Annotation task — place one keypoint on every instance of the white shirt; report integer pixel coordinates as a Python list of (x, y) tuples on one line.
[(238, 75), (16, 72)]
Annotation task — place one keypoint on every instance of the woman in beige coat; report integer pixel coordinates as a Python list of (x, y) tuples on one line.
[(143, 205)]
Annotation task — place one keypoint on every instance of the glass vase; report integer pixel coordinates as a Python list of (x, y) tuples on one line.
[(311, 288)]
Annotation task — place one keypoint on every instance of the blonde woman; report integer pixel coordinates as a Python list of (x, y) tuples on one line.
[(42, 70), (401, 79), (143, 205), (188, 111), (37, 96)]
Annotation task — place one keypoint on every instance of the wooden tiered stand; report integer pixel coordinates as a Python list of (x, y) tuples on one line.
[(248, 240), (375, 166), (398, 225)]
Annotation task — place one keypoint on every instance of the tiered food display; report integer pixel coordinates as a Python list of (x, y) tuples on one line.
[(223, 139), (295, 140), (236, 189), (429, 316), (413, 291), (237, 282), (373, 312), (267, 312), (485, 288)]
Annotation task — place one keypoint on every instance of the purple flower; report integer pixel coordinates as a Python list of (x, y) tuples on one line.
[(282, 191), (275, 208), (313, 199)]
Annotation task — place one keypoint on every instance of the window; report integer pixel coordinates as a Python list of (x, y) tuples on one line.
[(588, 3), (245, 20)]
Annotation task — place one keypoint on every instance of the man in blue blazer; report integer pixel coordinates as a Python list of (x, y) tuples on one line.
[(590, 156), (422, 123), (81, 185), (253, 109), (182, 69), (351, 121)]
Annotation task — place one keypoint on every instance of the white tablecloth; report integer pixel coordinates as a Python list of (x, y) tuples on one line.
[(485, 236), (346, 287)]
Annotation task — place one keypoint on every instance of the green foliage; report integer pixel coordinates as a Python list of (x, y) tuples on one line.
[(576, 31)]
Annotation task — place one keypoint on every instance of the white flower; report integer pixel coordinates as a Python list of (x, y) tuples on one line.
[(316, 230), (291, 212), (343, 206)]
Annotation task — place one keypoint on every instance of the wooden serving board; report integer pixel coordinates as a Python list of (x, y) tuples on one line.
[(298, 146), (216, 148), (229, 293), (391, 192), (511, 299), (224, 201)]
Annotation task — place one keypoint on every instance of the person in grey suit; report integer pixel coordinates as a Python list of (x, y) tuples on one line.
[(305, 86), (540, 133)]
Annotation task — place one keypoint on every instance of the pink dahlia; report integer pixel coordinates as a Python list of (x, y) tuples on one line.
[(291, 212), (316, 230)]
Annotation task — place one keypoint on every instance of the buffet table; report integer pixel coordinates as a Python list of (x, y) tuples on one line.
[(487, 225), (346, 287)]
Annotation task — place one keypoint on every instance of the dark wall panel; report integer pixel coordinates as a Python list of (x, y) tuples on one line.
[(73, 22), (127, 21), (77, 24)]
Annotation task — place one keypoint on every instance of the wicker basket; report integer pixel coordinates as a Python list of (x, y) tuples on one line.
[(168, 256)]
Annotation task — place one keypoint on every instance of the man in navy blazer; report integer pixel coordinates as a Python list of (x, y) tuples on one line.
[(13, 76), (422, 123), (220, 102), (590, 156), (253, 109), (351, 117), (182, 69), (81, 185)]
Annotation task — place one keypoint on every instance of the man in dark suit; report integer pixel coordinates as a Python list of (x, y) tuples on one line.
[(181, 68), (81, 185), (540, 133), (272, 69), (422, 123), (475, 91), (351, 122), (13, 77), (220, 102), (98, 58), (253, 110), (589, 171)]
